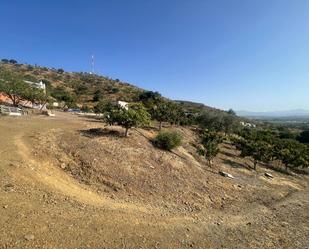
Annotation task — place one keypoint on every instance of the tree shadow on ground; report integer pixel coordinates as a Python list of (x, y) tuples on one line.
[(274, 168), (282, 170), (234, 164), (150, 128), (176, 154), (101, 132), (229, 154), (142, 134), (93, 119), (300, 171), (210, 170)]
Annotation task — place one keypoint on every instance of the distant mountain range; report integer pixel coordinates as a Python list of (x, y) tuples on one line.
[(274, 114)]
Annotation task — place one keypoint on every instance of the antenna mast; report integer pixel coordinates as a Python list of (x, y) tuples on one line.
[(92, 64)]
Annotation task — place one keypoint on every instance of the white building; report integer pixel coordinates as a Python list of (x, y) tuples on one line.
[(247, 125), (123, 104), (39, 85)]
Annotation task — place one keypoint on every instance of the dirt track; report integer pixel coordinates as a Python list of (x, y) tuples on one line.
[(42, 206)]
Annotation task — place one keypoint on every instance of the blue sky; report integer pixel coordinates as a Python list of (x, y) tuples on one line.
[(240, 54)]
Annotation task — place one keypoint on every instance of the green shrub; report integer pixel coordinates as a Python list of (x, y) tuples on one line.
[(168, 140), (114, 90), (304, 137)]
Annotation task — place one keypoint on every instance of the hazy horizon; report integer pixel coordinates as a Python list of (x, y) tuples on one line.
[(245, 55)]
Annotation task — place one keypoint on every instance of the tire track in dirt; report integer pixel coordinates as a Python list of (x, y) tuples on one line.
[(57, 180), (103, 221)]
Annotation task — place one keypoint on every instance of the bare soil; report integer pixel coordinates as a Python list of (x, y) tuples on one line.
[(73, 182)]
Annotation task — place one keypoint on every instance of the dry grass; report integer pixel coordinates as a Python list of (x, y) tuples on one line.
[(74, 183)]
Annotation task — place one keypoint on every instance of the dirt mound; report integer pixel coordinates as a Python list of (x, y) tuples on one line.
[(133, 170)]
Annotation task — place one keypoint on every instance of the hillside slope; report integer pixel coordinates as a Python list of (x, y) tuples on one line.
[(82, 86), (87, 89), (70, 182)]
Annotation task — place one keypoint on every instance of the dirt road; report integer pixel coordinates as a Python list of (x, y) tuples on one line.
[(42, 206)]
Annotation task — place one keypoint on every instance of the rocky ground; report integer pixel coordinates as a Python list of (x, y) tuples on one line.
[(72, 182)]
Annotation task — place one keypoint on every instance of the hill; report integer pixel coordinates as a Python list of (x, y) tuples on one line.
[(79, 88), (75, 181)]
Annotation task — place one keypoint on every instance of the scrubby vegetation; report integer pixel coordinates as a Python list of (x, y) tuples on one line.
[(168, 140), (210, 145), (304, 137), (133, 116), (74, 89), (16, 89), (265, 144)]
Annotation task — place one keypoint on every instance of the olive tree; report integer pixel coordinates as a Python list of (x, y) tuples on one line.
[(134, 116), (13, 86), (291, 153), (210, 145), (149, 98), (161, 112), (103, 106), (258, 150), (304, 137)]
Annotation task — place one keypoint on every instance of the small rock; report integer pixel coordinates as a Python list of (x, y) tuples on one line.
[(63, 165), (269, 175), (13, 165), (29, 237), (237, 186), (284, 224), (226, 174), (191, 245), (5, 206), (9, 187), (197, 208), (249, 223)]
